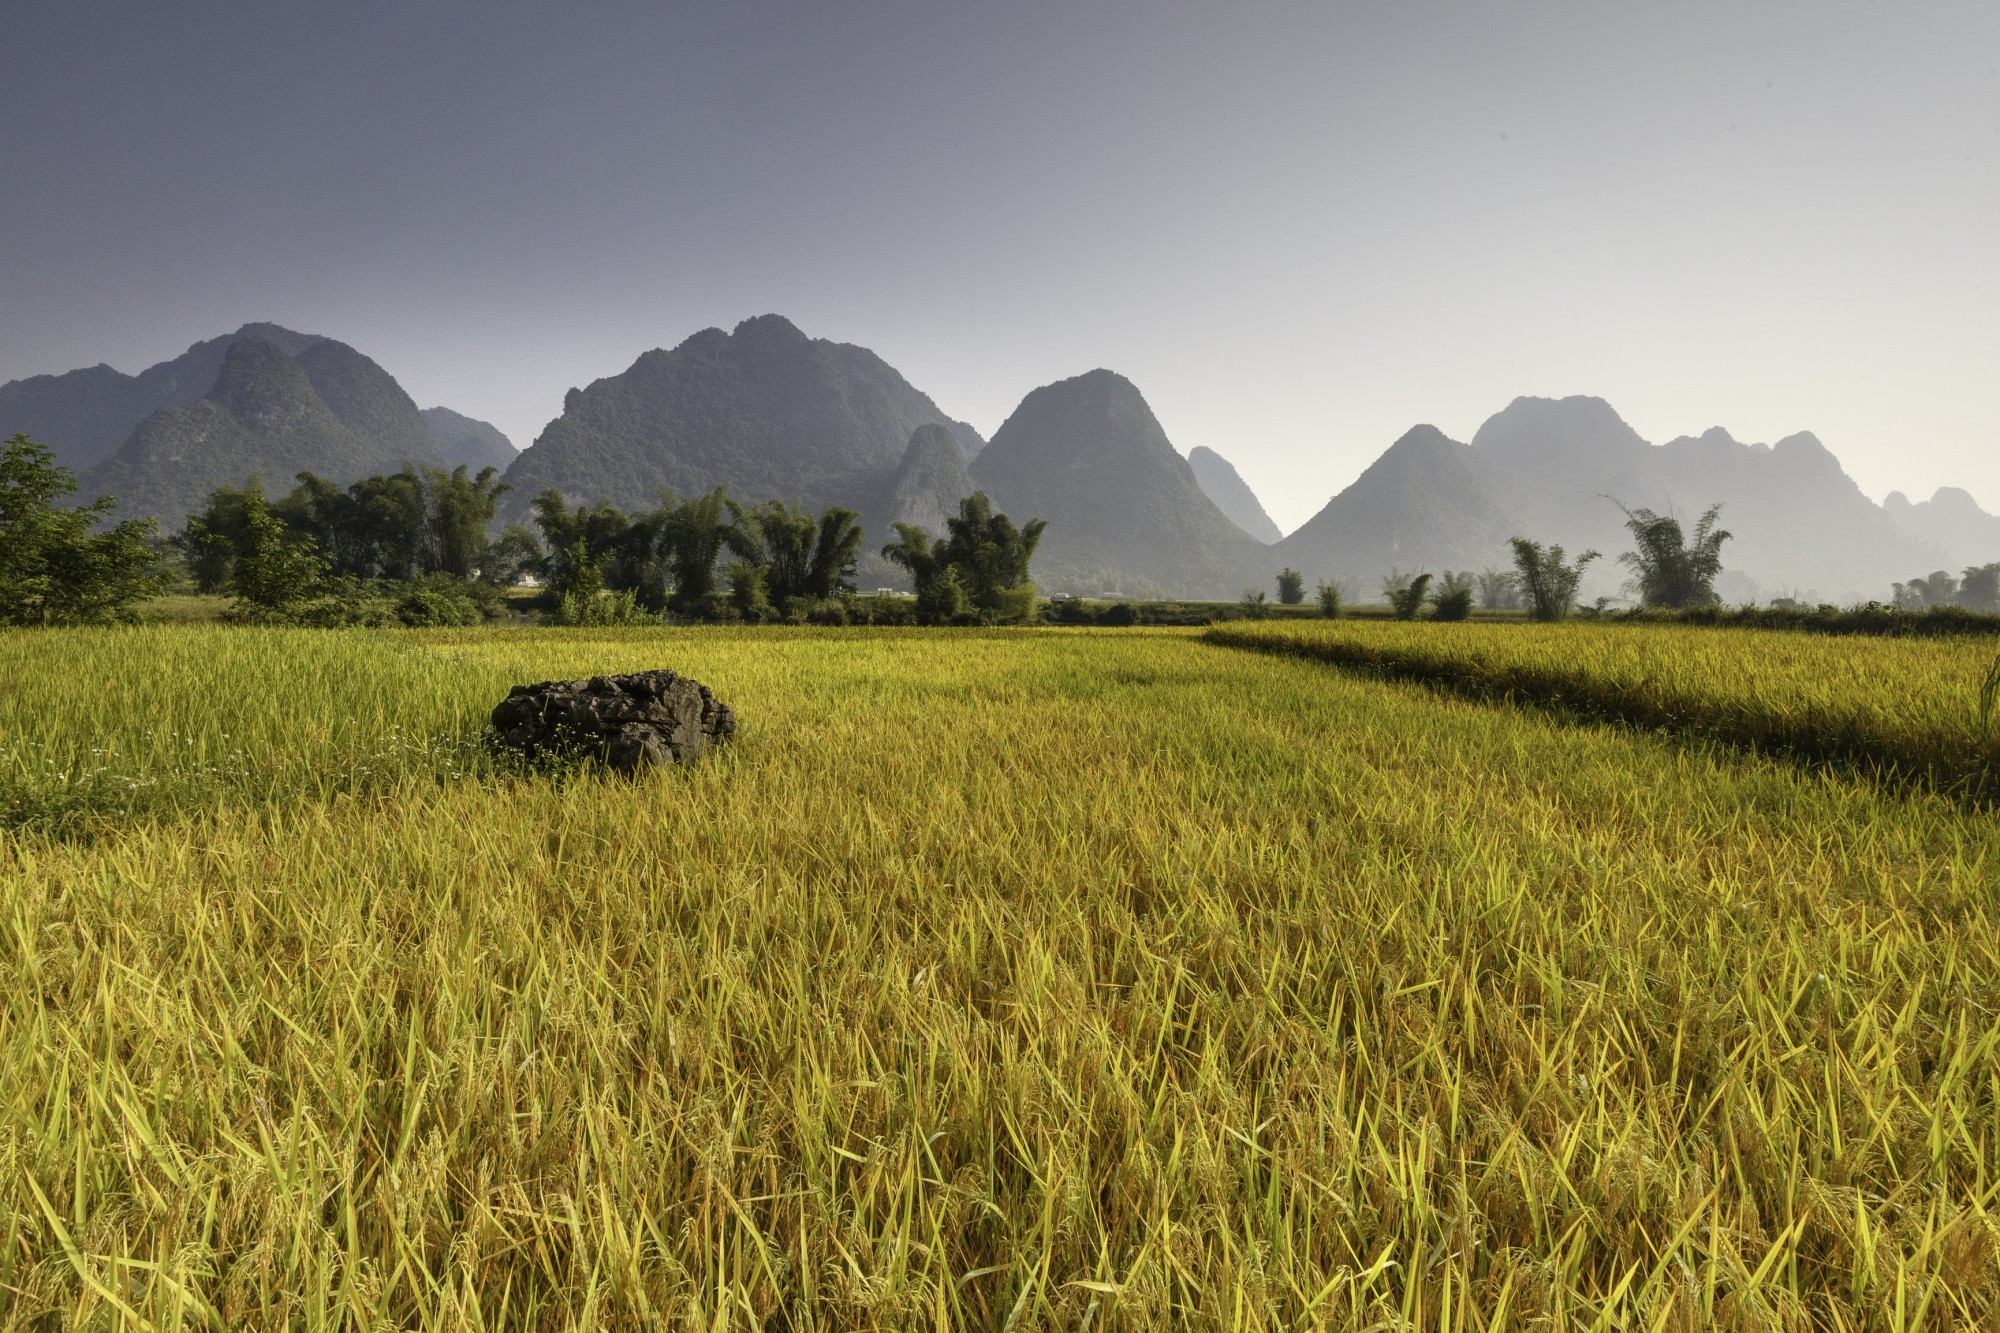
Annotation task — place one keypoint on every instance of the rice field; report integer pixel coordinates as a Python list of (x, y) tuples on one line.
[(993, 979), (1904, 709)]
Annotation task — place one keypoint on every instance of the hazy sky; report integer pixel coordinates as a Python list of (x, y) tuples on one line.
[(1299, 228)]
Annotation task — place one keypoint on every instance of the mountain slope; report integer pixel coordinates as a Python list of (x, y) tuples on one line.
[(928, 484), (368, 401), (84, 416), (1556, 470), (1231, 494), (1800, 523), (1428, 503), (1125, 513), (764, 410), (462, 441), (262, 415), (1952, 521)]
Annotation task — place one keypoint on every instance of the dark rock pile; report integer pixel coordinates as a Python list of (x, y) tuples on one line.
[(631, 722)]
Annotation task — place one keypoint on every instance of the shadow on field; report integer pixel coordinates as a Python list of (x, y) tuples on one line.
[(1919, 763)]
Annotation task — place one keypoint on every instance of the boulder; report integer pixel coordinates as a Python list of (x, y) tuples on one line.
[(644, 720)]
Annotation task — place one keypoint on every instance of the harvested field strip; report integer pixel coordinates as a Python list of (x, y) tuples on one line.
[(1906, 711)]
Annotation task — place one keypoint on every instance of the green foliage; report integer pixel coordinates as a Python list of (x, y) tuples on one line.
[(460, 511), (1453, 598), (1979, 588), (982, 562), (803, 560), (54, 570), (693, 534), (749, 591), (1547, 579), (1409, 599), (1291, 587), (943, 600), (511, 557), (581, 543), (1673, 572), (1329, 600), (272, 570), (1255, 604)]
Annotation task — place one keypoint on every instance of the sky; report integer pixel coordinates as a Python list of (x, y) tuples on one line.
[(1300, 229)]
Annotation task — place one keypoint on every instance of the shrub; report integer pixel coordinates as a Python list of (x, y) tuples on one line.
[(1409, 599), (1453, 598), (1329, 600), (1291, 587), (1547, 579), (1673, 572)]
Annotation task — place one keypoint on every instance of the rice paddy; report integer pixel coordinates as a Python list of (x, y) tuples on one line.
[(992, 979)]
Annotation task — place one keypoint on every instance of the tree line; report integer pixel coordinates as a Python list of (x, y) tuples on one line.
[(418, 547), (1672, 569)]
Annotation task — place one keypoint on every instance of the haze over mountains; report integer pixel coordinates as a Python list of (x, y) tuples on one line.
[(1557, 470), (774, 414)]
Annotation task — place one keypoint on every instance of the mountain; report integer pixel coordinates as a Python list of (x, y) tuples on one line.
[(1556, 470), (1952, 521), (265, 414), (368, 401), (928, 484), (462, 441), (1429, 503), (1220, 483), (1125, 512), (763, 410), (84, 416)]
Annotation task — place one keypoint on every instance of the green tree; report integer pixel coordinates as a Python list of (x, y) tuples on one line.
[(804, 559), (1979, 588), (210, 540), (1453, 598), (54, 570), (1547, 579), (1291, 587), (1255, 604), (693, 533), (1409, 599), (1938, 588), (987, 555), (1329, 600), (274, 569), (511, 556), (750, 591), (588, 538), (460, 508), (1674, 572)]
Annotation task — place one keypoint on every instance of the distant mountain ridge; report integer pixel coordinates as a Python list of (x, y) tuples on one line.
[(1952, 521), (1220, 482), (763, 410), (216, 415), (84, 416), (1125, 512), (329, 410), (1555, 470), (462, 441)]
